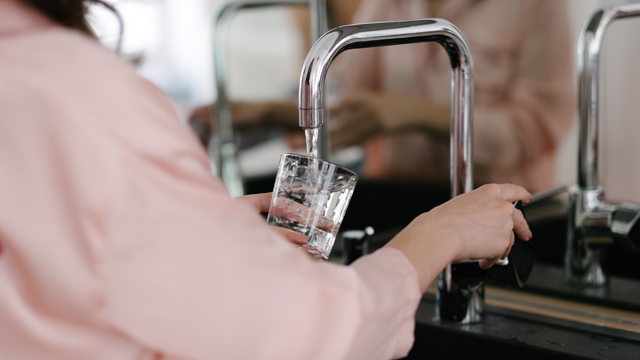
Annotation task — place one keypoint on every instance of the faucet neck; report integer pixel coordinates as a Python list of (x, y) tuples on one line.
[(589, 47), (331, 44)]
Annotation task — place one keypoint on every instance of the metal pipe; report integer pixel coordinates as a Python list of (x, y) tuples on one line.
[(589, 224), (311, 107), (589, 47), (319, 25), (225, 155), (318, 17)]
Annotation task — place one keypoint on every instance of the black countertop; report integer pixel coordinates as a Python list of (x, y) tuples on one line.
[(543, 320), (503, 336)]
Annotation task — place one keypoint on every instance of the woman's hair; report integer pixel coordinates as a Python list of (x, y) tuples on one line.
[(69, 13), (72, 14)]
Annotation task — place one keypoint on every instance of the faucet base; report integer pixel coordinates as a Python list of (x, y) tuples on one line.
[(459, 301), (594, 278), (587, 234)]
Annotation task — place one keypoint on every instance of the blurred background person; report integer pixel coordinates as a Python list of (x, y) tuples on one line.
[(524, 98)]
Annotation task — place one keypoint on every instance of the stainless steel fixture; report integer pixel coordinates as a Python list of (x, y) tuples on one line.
[(465, 297), (592, 223), (224, 153)]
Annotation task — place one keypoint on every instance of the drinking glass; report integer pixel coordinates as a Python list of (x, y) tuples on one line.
[(310, 197)]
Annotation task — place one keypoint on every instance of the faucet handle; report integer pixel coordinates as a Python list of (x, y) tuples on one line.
[(625, 226), (512, 271), (516, 270), (355, 243)]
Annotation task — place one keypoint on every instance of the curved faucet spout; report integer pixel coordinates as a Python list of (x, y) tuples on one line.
[(331, 44), (589, 47), (591, 222), (466, 296)]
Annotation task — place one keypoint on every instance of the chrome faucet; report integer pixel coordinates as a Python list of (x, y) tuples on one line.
[(224, 153), (592, 223), (454, 292)]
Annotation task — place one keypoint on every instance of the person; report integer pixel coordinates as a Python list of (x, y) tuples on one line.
[(117, 243), (397, 98)]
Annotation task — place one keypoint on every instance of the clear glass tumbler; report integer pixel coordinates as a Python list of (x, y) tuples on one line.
[(310, 197)]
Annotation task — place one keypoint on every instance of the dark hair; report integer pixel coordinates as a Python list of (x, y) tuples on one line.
[(69, 13), (72, 14)]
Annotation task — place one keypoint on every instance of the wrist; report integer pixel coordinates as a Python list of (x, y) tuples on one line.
[(429, 245)]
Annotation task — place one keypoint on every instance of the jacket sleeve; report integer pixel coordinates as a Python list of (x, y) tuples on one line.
[(194, 274)]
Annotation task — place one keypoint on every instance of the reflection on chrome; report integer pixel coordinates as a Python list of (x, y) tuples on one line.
[(591, 222), (453, 292), (223, 150)]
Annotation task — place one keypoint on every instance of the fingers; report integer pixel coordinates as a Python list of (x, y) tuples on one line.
[(299, 213), (512, 193), (345, 106), (259, 201), (295, 140), (506, 252), (200, 123), (354, 120), (202, 113), (351, 130), (292, 236), (520, 226), (262, 203), (487, 263), (340, 130), (247, 113)]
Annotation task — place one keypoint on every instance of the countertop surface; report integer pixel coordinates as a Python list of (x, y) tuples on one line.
[(509, 336), (545, 319)]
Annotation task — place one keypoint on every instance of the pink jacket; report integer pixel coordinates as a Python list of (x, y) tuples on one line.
[(118, 244), (524, 85)]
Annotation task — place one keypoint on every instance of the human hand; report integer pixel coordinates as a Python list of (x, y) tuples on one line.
[(476, 225), (364, 115), (202, 119), (289, 209), (200, 122), (262, 202), (357, 118), (485, 221)]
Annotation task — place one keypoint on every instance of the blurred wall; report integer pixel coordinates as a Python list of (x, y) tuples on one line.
[(266, 54)]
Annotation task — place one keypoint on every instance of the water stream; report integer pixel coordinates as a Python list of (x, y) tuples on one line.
[(312, 142)]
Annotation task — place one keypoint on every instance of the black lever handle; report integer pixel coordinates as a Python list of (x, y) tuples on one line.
[(355, 243), (625, 226), (520, 262)]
